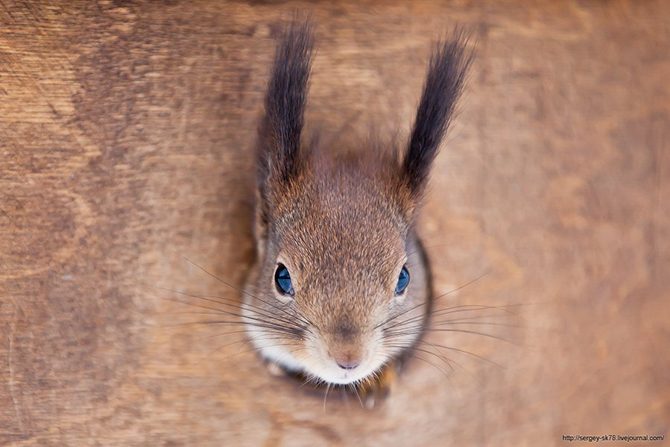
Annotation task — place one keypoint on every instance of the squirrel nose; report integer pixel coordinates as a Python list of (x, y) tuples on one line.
[(347, 361), (348, 365)]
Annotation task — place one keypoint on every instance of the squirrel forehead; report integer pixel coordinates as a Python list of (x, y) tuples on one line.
[(345, 215)]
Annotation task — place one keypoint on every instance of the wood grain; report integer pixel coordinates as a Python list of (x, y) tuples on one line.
[(125, 159)]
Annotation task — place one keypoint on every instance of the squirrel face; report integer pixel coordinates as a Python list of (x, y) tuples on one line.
[(336, 258), (340, 286)]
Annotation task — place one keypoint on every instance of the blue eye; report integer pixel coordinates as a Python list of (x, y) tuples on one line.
[(283, 280), (403, 281)]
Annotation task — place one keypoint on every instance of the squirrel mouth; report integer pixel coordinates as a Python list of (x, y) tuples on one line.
[(374, 387)]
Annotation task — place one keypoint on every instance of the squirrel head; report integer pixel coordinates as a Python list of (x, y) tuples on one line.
[(340, 286)]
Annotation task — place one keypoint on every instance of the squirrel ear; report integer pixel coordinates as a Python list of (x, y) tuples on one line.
[(446, 75), (281, 126)]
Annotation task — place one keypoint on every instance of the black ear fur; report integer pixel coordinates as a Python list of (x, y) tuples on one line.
[(281, 127), (444, 82)]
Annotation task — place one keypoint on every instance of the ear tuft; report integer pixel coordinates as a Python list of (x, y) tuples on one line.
[(281, 127), (447, 71)]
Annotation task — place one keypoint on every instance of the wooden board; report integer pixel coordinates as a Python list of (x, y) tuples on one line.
[(125, 159)]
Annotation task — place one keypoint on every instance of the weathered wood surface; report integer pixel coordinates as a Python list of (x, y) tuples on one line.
[(125, 135)]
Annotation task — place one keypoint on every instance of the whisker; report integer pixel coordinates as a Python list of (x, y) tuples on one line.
[(416, 330), (463, 286), (466, 352), (215, 298), (473, 333), (431, 300), (471, 308), (248, 351), (295, 314), (405, 312), (210, 298), (446, 311), (442, 358), (238, 289), (262, 337), (442, 371), (245, 319), (242, 331), (482, 323), (325, 396), (355, 389), (288, 331)]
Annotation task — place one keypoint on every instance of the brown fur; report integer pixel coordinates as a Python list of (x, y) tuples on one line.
[(342, 223)]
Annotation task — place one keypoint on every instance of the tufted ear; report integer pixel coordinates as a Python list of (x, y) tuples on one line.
[(444, 82), (278, 155)]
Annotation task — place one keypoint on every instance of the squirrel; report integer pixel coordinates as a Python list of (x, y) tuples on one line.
[(340, 291)]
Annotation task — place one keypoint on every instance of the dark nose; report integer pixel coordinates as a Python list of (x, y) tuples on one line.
[(351, 364), (348, 359)]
